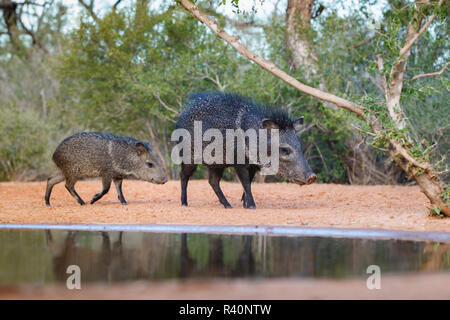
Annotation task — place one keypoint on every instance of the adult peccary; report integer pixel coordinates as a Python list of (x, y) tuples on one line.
[(105, 155), (224, 111)]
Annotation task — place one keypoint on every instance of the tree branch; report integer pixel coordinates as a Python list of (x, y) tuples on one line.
[(116, 4), (380, 64), (90, 9), (409, 43), (269, 66), (236, 23), (36, 40), (156, 95), (363, 42), (432, 74)]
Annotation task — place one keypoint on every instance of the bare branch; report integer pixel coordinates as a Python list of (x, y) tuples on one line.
[(269, 66), (89, 8), (33, 35), (412, 3), (432, 74), (116, 4), (156, 95), (424, 28), (363, 42)]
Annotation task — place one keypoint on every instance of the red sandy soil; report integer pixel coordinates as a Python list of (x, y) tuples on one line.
[(410, 286), (317, 205)]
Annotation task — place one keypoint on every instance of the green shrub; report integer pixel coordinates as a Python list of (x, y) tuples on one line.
[(24, 144)]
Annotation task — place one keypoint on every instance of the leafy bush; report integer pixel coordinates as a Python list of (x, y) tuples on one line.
[(24, 144)]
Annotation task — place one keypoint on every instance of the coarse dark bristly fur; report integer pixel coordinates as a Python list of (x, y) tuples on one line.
[(234, 101), (222, 111), (105, 155)]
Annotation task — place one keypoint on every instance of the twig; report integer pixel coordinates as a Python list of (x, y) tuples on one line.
[(90, 9), (363, 131), (432, 74), (164, 104), (363, 42), (33, 36), (412, 3), (321, 157), (116, 4)]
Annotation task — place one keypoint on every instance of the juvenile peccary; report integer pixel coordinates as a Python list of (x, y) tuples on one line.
[(224, 111), (105, 155)]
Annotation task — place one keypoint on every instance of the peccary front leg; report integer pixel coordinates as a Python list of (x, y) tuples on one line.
[(118, 184), (244, 177), (57, 177), (70, 186), (187, 170), (251, 174), (106, 181), (215, 174)]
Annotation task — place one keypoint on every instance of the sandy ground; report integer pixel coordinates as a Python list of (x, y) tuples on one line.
[(411, 286), (317, 205)]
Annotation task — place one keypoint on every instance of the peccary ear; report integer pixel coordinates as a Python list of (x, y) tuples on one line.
[(269, 124), (141, 149), (298, 124)]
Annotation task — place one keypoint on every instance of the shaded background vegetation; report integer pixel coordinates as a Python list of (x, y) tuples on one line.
[(129, 68)]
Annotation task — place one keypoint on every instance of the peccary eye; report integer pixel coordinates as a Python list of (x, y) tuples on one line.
[(149, 164), (285, 151)]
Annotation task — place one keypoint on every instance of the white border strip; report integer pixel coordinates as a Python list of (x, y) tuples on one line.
[(257, 230)]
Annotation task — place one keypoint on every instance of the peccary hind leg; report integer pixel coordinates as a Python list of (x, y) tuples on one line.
[(118, 184), (244, 177), (106, 181), (187, 170), (70, 186), (56, 178), (215, 174)]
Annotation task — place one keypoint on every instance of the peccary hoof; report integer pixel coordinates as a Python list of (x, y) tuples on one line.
[(250, 207)]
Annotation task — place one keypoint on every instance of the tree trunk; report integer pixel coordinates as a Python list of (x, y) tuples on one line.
[(10, 19), (299, 36)]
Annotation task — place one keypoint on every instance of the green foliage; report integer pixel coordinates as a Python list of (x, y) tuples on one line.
[(436, 211), (24, 140), (349, 52), (446, 196)]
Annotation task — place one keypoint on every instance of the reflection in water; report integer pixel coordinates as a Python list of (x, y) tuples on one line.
[(43, 256)]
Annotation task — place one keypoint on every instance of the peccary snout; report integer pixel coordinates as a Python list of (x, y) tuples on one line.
[(105, 155), (148, 166), (311, 178), (293, 164)]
